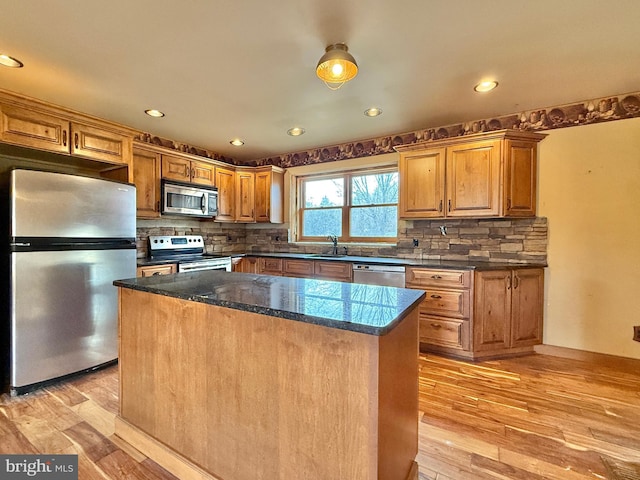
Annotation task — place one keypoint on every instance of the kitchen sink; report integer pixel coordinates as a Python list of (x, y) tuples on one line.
[(328, 255)]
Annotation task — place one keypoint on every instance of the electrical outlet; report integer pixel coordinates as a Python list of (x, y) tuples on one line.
[(636, 333), (415, 242)]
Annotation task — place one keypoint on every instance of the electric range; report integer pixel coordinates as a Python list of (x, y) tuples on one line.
[(187, 251)]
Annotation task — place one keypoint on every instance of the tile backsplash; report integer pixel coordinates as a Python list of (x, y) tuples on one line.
[(488, 240)]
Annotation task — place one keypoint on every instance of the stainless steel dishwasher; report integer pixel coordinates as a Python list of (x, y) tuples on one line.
[(385, 275)]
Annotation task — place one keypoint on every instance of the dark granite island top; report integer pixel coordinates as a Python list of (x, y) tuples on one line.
[(369, 309), (242, 376)]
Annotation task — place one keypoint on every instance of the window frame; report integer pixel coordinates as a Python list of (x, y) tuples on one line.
[(346, 209)]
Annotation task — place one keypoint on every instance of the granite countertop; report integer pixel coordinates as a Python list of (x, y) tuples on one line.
[(368, 309), (409, 262)]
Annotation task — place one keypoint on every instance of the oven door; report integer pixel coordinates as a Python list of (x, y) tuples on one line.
[(188, 200), (200, 265)]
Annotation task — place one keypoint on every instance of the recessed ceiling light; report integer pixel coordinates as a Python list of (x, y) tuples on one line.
[(295, 131), (8, 61), (373, 112), (236, 142), (154, 113), (486, 86)]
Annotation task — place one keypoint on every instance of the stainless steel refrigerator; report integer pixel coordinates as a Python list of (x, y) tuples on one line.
[(70, 238)]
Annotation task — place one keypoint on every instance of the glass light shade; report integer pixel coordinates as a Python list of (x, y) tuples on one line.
[(11, 62), (337, 66), (485, 86)]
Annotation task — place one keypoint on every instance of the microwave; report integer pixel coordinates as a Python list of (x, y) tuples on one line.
[(188, 199)]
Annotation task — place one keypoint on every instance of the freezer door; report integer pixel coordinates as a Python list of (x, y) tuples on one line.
[(47, 204), (64, 311)]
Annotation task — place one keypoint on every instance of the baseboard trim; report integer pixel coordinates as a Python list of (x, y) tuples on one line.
[(159, 452), (600, 358)]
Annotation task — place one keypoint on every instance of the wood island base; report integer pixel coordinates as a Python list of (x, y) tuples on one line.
[(216, 393)]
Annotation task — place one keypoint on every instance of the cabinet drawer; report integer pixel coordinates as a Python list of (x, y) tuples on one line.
[(333, 270), (298, 268), (448, 303), (446, 333), (426, 277), (271, 266), (154, 270)]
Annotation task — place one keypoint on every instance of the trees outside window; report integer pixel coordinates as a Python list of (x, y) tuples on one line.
[(353, 206)]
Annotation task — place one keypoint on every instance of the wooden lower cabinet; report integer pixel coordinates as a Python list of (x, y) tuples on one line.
[(270, 265), (151, 270), (509, 307), (297, 268), (479, 314), (245, 264), (338, 271)]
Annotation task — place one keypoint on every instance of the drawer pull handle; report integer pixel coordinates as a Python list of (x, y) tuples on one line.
[(436, 277), (64, 138), (76, 140), (436, 296), (436, 325)]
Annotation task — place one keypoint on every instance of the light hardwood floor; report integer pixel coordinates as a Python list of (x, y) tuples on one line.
[(529, 418)]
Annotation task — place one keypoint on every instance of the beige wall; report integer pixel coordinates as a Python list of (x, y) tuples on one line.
[(589, 189)]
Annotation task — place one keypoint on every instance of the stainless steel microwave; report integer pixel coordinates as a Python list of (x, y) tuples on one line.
[(188, 199)]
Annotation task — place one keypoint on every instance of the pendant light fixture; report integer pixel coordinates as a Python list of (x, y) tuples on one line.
[(337, 66)]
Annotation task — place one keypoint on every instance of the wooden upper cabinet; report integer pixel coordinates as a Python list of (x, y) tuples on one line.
[(203, 173), (245, 199), (520, 180), (481, 175), (422, 184), (34, 129), (146, 175), (183, 169), (473, 179), (27, 128), (225, 181), (98, 144), (269, 195)]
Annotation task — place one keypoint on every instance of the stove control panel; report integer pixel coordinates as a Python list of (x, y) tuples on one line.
[(175, 242)]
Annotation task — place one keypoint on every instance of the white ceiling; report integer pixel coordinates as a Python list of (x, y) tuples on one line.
[(231, 68)]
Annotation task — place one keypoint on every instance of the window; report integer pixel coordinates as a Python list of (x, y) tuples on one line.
[(357, 206)]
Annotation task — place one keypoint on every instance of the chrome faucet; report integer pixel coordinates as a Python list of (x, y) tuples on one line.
[(334, 239)]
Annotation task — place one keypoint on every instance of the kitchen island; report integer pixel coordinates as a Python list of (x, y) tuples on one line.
[(238, 376)]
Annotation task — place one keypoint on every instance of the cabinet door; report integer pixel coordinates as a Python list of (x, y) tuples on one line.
[(263, 196), (340, 271), (297, 268), (176, 168), (34, 130), (202, 173), (473, 179), (270, 266), (527, 303), (245, 200), (146, 176), (248, 265), (492, 310), (97, 144), (225, 181), (422, 184), (520, 178)]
